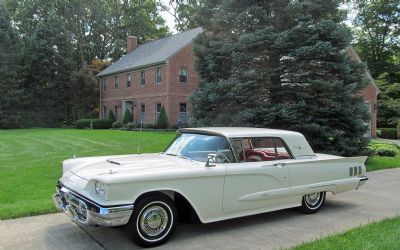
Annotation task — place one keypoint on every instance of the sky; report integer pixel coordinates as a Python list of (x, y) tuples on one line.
[(169, 20)]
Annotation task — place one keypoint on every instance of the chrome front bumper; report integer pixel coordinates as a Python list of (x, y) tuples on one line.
[(87, 212)]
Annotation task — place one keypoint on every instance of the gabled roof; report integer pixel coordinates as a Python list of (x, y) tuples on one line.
[(152, 53)]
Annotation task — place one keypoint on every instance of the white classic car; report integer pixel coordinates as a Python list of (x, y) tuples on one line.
[(211, 174)]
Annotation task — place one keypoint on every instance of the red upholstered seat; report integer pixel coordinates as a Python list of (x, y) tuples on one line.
[(255, 155)]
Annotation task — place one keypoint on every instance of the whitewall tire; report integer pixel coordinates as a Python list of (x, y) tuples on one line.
[(153, 220), (312, 203)]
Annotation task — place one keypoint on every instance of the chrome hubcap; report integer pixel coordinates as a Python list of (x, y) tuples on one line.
[(313, 199), (154, 221)]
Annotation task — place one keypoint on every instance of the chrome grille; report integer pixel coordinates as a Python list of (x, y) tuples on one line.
[(78, 205)]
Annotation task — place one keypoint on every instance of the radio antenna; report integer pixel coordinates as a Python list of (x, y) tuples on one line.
[(140, 133)]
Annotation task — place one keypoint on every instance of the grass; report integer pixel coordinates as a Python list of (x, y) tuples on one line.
[(30, 161), (383, 162), (378, 235)]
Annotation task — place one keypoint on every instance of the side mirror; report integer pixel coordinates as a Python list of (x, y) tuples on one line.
[(211, 158)]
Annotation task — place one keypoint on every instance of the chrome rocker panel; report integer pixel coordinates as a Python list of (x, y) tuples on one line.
[(86, 212)]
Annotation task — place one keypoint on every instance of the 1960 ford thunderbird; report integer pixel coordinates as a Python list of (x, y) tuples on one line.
[(209, 174)]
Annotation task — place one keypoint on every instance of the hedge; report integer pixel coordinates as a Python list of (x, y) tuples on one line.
[(388, 133), (117, 124), (95, 123), (398, 129), (383, 149)]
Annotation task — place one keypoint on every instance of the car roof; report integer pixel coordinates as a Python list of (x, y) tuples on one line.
[(233, 132)]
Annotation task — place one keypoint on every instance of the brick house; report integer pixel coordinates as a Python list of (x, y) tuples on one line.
[(154, 74), (161, 73)]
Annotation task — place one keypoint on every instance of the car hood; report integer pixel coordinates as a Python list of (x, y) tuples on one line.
[(90, 167)]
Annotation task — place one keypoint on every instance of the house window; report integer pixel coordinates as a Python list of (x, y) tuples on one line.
[(158, 75), (128, 80), (158, 110), (116, 82), (104, 112), (116, 112), (142, 77), (183, 74), (103, 84), (182, 112), (142, 112)]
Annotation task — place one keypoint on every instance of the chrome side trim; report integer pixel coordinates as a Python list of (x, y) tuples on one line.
[(363, 180)]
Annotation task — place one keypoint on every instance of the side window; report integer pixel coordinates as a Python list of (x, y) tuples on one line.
[(281, 150), (260, 149)]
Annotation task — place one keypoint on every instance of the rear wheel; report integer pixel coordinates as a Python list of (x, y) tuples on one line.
[(312, 203), (153, 220)]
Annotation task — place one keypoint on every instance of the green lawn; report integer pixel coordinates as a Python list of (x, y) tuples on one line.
[(30, 161), (379, 235), (382, 162)]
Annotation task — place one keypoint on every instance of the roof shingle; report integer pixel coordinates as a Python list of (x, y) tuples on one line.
[(152, 53)]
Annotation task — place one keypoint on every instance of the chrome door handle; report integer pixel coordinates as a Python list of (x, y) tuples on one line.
[(279, 165)]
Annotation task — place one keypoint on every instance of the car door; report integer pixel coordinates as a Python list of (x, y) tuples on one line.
[(258, 180)]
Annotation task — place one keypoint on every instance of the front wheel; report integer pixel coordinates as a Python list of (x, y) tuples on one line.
[(153, 220), (312, 203)]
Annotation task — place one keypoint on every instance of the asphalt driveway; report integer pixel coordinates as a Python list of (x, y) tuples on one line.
[(376, 200)]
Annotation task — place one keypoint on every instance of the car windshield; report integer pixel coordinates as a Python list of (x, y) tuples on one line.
[(198, 146)]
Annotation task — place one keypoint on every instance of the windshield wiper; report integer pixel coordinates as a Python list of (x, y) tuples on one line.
[(180, 156), (184, 157)]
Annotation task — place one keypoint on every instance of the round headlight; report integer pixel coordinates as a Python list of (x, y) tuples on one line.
[(100, 189)]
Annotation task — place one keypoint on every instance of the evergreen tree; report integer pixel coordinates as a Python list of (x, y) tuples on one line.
[(49, 68), (10, 92), (127, 117), (85, 94), (389, 99), (162, 121), (280, 64), (111, 116)]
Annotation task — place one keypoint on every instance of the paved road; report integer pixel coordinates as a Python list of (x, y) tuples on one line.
[(377, 199)]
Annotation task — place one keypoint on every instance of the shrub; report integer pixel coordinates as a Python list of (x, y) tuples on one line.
[(148, 125), (101, 124), (83, 123), (130, 126), (93, 123), (383, 149), (127, 117), (111, 116), (162, 121), (388, 133), (117, 124), (398, 129)]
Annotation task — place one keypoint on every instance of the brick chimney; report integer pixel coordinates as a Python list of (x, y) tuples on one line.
[(131, 43)]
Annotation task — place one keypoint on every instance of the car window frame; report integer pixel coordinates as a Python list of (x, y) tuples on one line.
[(179, 133), (275, 138)]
